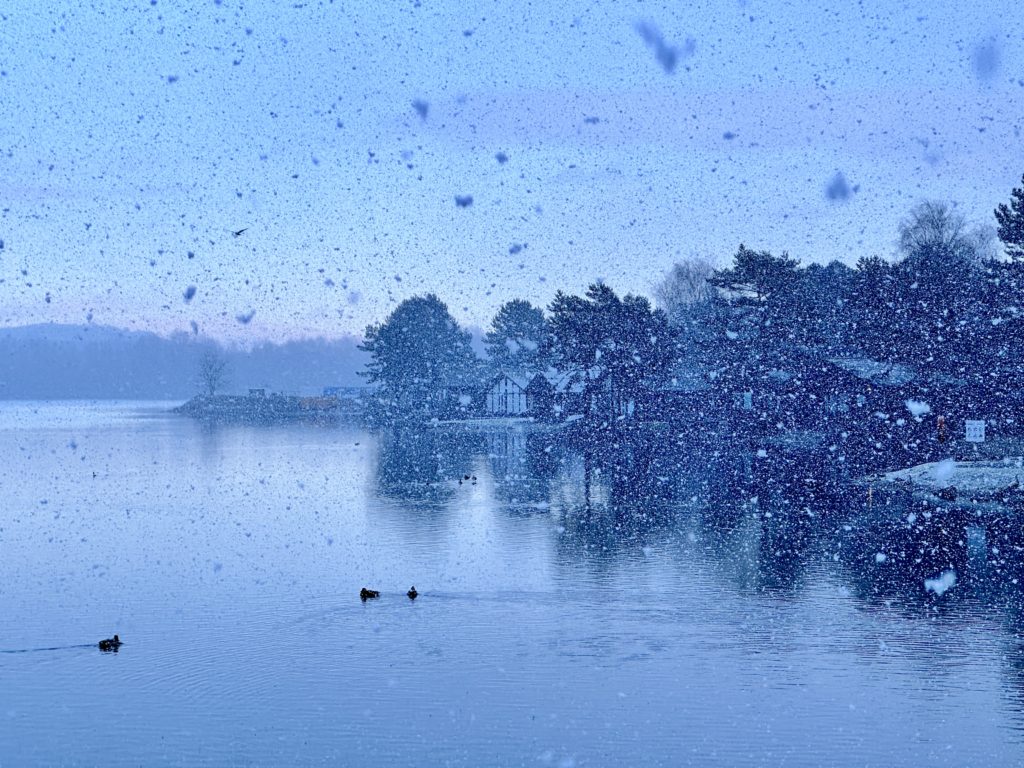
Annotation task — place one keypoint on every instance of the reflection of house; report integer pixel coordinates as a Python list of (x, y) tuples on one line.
[(507, 446), (620, 404)]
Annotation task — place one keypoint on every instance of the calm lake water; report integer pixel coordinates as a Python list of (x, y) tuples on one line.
[(699, 612)]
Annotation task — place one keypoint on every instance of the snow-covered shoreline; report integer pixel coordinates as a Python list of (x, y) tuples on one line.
[(968, 477)]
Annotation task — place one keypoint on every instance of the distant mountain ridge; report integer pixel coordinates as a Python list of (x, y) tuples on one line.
[(51, 361)]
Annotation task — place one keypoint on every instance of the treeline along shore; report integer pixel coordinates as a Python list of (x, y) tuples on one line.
[(883, 362)]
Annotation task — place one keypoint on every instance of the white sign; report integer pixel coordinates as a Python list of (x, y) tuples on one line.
[(975, 431)]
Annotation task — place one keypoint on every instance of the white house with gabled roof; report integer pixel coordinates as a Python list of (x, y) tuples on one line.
[(507, 395)]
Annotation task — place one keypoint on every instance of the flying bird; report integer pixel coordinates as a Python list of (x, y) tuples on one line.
[(238, 232)]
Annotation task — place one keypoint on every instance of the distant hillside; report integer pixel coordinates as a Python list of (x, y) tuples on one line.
[(71, 361)]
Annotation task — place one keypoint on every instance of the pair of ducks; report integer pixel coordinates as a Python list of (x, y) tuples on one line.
[(468, 478), (371, 594)]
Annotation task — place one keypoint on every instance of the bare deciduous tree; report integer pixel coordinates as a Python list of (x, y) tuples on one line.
[(934, 236), (684, 287), (212, 372)]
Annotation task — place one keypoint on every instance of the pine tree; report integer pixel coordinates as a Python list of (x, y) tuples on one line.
[(419, 354), (518, 339), (1011, 223)]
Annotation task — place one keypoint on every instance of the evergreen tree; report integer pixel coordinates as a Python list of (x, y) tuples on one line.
[(419, 355), (621, 347), (757, 276), (758, 315), (518, 339), (874, 318), (821, 303), (940, 289), (1011, 223)]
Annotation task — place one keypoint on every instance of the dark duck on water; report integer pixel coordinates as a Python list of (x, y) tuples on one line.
[(368, 594), (112, 644)]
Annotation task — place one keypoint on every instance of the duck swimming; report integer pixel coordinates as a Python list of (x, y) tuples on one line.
[(412, 593), (368, 594), (110, 645)]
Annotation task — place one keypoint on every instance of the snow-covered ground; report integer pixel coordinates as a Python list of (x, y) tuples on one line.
[(484, 421), (967, 476)]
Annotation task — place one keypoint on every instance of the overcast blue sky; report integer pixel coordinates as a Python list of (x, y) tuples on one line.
[(596, 139)]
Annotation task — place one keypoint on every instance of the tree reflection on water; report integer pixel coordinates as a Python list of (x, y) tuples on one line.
[(775, 523)]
